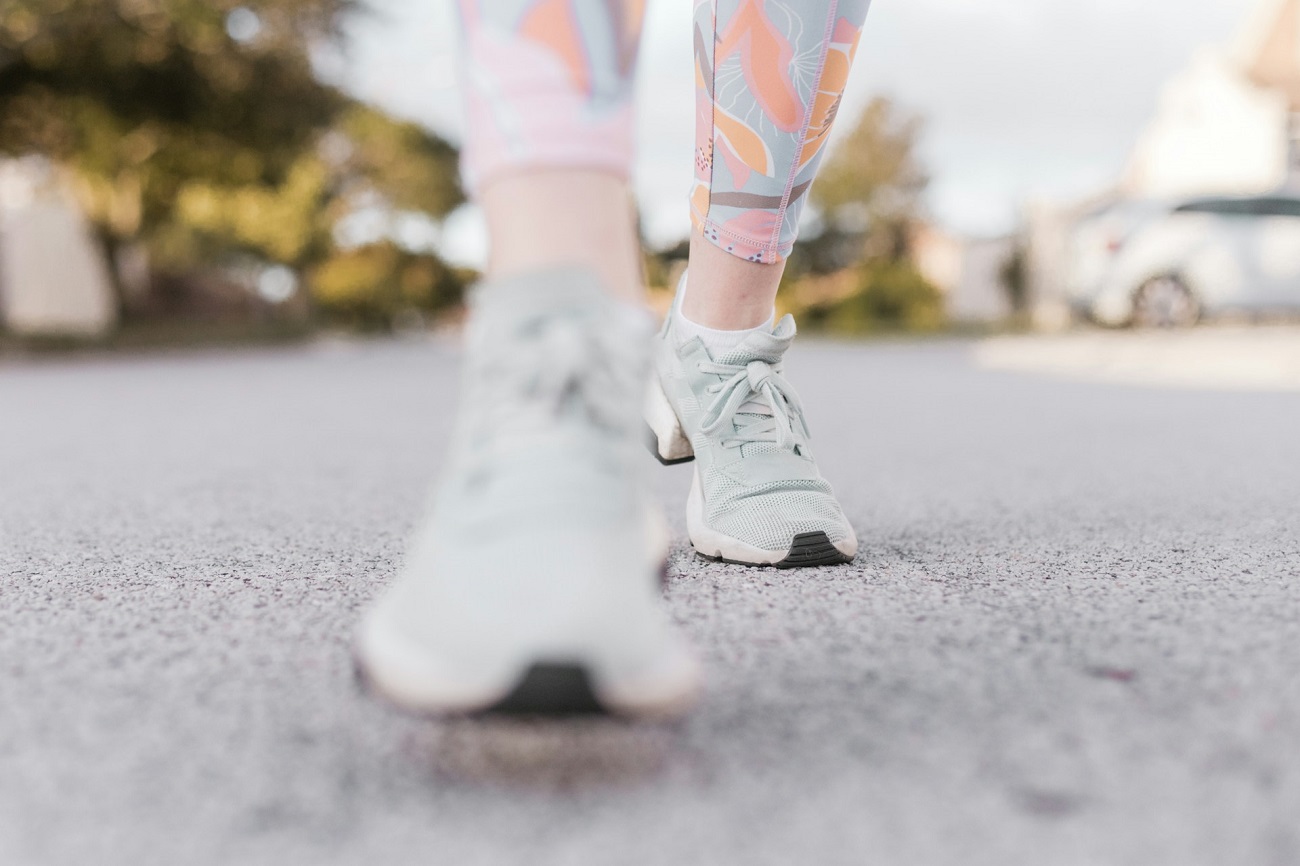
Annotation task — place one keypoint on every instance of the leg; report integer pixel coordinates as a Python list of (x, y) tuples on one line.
[(533, 584), (549, 87), (769, 78), (529, 233)]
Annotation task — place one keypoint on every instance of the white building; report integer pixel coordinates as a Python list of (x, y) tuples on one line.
[(1216, 132), (1225, 124), (969, 272), (53, 279)]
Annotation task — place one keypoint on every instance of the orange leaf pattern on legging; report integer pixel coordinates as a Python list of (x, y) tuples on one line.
[(549, 84), (769, 77)]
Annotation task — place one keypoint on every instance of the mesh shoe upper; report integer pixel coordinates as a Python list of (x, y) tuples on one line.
[(759, 481)]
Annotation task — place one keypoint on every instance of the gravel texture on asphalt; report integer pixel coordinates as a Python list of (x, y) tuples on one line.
[(1072, 635)]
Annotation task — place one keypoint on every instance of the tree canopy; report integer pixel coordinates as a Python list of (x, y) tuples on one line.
[(854, 272), (199, 128), (875, 171)]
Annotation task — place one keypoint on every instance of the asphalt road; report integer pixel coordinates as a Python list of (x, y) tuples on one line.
[(1072, 636)]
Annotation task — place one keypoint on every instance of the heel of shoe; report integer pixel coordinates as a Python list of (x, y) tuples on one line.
[(666, 438)]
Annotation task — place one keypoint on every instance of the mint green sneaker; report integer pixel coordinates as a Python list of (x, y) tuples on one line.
[(757, 497), (533, 585)]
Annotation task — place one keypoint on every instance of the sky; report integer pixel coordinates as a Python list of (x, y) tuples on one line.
[(1023, 100)]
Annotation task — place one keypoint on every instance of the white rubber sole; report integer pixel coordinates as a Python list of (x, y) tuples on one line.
[(671, 444), (409, 677), (711, 543)]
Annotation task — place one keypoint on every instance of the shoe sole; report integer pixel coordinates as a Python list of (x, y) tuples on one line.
[(389, 667), (550, 689), (665, 437), (652, 443), (545, 689), (809, 550), (806, 550)]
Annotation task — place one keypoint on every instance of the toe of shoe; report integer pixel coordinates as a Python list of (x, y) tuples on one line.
[(817, 548)]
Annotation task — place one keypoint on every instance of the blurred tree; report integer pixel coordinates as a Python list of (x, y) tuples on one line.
[(402, 162), (868, 192), (198, 128), (369, 287), (868, 196), (874, 178), (366, 161), (880, 296)]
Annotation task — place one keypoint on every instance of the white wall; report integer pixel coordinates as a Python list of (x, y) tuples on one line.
[(1214, 133), (53, 280), (980, 295)]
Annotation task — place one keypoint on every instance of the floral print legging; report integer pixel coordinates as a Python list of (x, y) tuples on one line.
[(549, 84)]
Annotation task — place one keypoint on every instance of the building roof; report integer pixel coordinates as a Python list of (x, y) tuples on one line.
[(1269, 48)]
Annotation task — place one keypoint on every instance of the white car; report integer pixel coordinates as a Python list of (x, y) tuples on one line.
[(1096, 239), (1200, 258)]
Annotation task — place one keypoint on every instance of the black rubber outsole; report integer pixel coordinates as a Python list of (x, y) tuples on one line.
[(809, 549), (652, 442), (551, 690)]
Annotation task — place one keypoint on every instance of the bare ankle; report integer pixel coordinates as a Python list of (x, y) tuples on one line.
[(728, 293), (540, 220)]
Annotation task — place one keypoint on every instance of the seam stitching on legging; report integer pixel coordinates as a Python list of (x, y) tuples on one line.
[(774, 248), (807, 122), (713, 103)]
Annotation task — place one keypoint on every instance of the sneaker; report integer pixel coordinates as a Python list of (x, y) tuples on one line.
[(534, 583), (757, 497)]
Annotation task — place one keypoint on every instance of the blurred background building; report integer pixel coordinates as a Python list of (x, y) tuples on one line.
[(53, 280)]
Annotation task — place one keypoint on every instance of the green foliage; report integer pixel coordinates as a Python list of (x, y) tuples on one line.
[(888, 296), (369, 286), (868, 193), (409, 167), (277, 222), (856, 275), (139, 96), (873, 177), (206, 147)]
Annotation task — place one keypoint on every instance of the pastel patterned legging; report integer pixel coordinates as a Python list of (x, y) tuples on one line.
[(549, 84)]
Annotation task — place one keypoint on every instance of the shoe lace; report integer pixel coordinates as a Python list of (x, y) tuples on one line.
[(756, 390), (558, 363)]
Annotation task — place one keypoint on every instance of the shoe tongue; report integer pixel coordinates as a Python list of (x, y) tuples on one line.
[(767, 346), (507, 306)]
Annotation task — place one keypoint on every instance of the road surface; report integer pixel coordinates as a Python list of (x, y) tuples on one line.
[(1072, 635)]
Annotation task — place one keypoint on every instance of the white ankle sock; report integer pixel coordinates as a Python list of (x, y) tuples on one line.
[(716, 341)]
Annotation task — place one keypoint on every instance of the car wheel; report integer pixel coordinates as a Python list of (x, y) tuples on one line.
[(1165, 302)]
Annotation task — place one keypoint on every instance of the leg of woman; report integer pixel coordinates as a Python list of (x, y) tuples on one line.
[(529, 232), (769, 78), (534, 582), (549, 150)]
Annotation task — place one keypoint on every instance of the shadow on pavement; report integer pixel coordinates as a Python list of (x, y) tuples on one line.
[(547, 755)]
